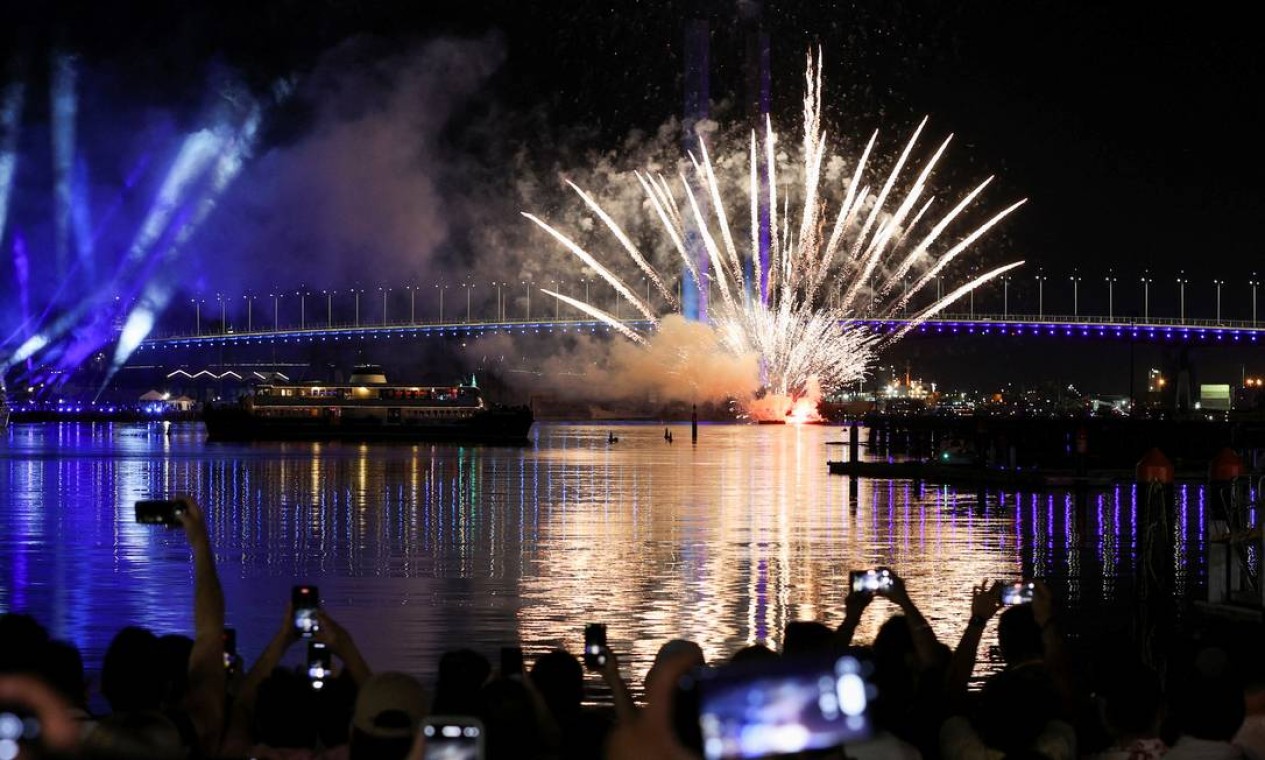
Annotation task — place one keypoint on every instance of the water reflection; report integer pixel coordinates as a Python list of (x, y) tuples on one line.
[(423, 548)]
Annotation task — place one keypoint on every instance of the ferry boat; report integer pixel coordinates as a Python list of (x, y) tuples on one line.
[(367, 408)]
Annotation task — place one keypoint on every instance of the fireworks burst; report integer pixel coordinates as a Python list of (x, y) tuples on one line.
[(797, 307)]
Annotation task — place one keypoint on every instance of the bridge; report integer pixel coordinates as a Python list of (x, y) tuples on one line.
[(1152, 329)]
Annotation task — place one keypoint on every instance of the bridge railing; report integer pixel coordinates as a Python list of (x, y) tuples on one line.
[(1083, 319), (956, 318)]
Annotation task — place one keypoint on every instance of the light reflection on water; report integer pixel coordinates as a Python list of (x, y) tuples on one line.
[(418, 549)]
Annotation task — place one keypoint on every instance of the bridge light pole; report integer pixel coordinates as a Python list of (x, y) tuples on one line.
[(329, 307), (1041, 278), (302, 294), (356, 292), (1005, 296), (1076, 301), (1253, 282), (384, 305), (412, 304), (1181, 289), (276, 311), (197, 316), (1218, 283), (527, 309), (1111, 302), (223, 319), (467, 303), (1146, 295), (250, 301), (556, 301), (441, 288)]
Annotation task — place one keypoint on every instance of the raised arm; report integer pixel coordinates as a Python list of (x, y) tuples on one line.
[(208, 681), (926, 645), (237, 738), (985, 601), (854, 605), (343, 646), (1054, 648), (625, 708)]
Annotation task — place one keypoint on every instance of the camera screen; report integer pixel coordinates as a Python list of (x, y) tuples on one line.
[(453, 741), (872, 581), (305, 621), (319, 664), (782, 707), (159, 511), (594, 643), (305, 600), (1016, 593)]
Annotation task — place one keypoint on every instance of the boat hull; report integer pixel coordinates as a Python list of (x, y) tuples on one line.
[(498, 426)]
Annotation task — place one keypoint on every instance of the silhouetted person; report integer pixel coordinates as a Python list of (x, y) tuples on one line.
[(462, 674), (559, 679)]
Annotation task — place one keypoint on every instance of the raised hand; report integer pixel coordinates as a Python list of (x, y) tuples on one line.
[(193, 521), (650, 732), (1042, 603), (986, 599)]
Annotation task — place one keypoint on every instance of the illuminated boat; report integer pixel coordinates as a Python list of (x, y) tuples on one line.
[(367, 408)]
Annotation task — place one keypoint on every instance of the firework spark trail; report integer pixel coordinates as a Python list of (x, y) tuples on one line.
[(600, 315), (606, 274), (802, 341), (621, 236)]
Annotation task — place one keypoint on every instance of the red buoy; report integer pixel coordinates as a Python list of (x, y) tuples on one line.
[(1154, 467), (1226, 465)]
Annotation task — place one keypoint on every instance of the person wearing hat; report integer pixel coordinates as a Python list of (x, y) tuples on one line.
[(389, 709)]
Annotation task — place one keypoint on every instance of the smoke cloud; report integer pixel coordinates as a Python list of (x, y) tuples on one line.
[(360, 201)]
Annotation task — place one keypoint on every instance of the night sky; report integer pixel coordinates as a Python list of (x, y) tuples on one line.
[(1132, 130)]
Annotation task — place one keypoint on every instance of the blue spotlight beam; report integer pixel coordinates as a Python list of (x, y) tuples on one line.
[(64, 111), (11, 100)]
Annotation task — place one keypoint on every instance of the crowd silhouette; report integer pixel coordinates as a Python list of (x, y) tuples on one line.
[(181, 696)]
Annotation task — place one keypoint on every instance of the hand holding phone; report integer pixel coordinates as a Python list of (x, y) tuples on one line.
[(452, 737), (231, 660), (159, 512), (305, 601), (1017, 593), (320, 664), (595, 646), (776, 707), (876, 581)]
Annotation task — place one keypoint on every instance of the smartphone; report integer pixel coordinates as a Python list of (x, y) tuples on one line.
[(159, 512), (19, 728), (1017, 593), (595, 646), (871, 581), (777, 707), (306, 601), (230, 650), (511, 662), (452, 737), (319, 664)]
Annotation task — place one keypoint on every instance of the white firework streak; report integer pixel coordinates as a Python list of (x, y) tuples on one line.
[(808, 331)]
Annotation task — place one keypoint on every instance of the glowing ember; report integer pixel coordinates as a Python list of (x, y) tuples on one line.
[(869, 257)]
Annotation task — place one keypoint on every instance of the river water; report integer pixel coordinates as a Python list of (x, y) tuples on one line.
[(420, 549)]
